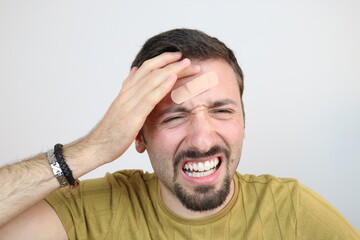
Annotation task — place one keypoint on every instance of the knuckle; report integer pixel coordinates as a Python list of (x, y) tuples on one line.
[(147, 63), (149, 99), (157, 72), (156, 75)]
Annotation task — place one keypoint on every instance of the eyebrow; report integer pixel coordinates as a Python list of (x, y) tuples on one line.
[(218, 103), (222, 102)]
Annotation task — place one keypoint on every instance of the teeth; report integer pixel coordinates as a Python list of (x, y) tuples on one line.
[(200, 174), (190, 167), (207, 165), (201, 166), (200, 169)]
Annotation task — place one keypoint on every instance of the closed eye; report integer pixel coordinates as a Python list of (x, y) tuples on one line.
[(172, 119), (222, 113)]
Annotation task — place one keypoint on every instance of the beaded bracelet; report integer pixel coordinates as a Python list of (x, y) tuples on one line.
[(74, 183)]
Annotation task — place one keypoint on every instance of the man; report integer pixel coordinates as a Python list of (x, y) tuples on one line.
[(194, 147)]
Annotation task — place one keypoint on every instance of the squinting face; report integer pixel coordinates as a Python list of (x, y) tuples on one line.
[(195, 147)]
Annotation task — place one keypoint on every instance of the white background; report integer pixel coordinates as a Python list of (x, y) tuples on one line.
[(62, 63)]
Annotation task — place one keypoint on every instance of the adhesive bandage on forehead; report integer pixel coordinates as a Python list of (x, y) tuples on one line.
[(194, 87)]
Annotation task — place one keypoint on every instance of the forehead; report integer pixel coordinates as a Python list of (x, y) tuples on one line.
[(227, 88)]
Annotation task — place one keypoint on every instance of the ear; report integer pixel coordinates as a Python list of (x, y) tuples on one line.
[(140, 143)]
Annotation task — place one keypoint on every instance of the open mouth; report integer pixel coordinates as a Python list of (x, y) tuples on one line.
[(201, 168)]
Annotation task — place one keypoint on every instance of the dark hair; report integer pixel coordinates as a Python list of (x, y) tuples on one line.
[(193, 44)]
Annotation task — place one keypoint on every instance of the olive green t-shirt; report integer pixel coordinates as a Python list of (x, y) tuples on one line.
[(127, 205)]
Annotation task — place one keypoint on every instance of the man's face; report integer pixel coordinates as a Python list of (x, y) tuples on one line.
[(195, 147)]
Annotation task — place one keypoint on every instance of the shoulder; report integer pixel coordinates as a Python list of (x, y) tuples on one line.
[(263, 179), (318, 218), (268, 182), (89, 212), (302, 208), (269, 188), (107, 188), (132, 175)]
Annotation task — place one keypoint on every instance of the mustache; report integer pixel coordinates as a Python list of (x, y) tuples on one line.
[(194, 154)]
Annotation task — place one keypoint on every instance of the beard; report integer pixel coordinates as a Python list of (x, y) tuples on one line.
[(204, 197)]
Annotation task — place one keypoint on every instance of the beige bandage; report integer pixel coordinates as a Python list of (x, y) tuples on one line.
[(194, 87)]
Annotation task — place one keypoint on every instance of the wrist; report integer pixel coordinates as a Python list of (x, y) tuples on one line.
[(81, 157)]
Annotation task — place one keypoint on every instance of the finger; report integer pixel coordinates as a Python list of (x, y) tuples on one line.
[(157, 77), (133, 71), (152, 81), (192, 70), (155, 96), (157, 62), (127, 79)]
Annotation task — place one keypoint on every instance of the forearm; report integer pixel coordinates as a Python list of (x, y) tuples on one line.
[(25, 183)]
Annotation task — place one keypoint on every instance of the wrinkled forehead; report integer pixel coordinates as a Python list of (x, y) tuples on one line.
[(227, 86)]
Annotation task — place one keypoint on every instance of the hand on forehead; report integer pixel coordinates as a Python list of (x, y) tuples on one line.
[(194, 87)]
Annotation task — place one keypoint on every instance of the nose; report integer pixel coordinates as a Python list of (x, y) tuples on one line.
[(202, 134)]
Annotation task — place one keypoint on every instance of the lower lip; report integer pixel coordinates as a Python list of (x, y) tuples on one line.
[(209, 179)]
